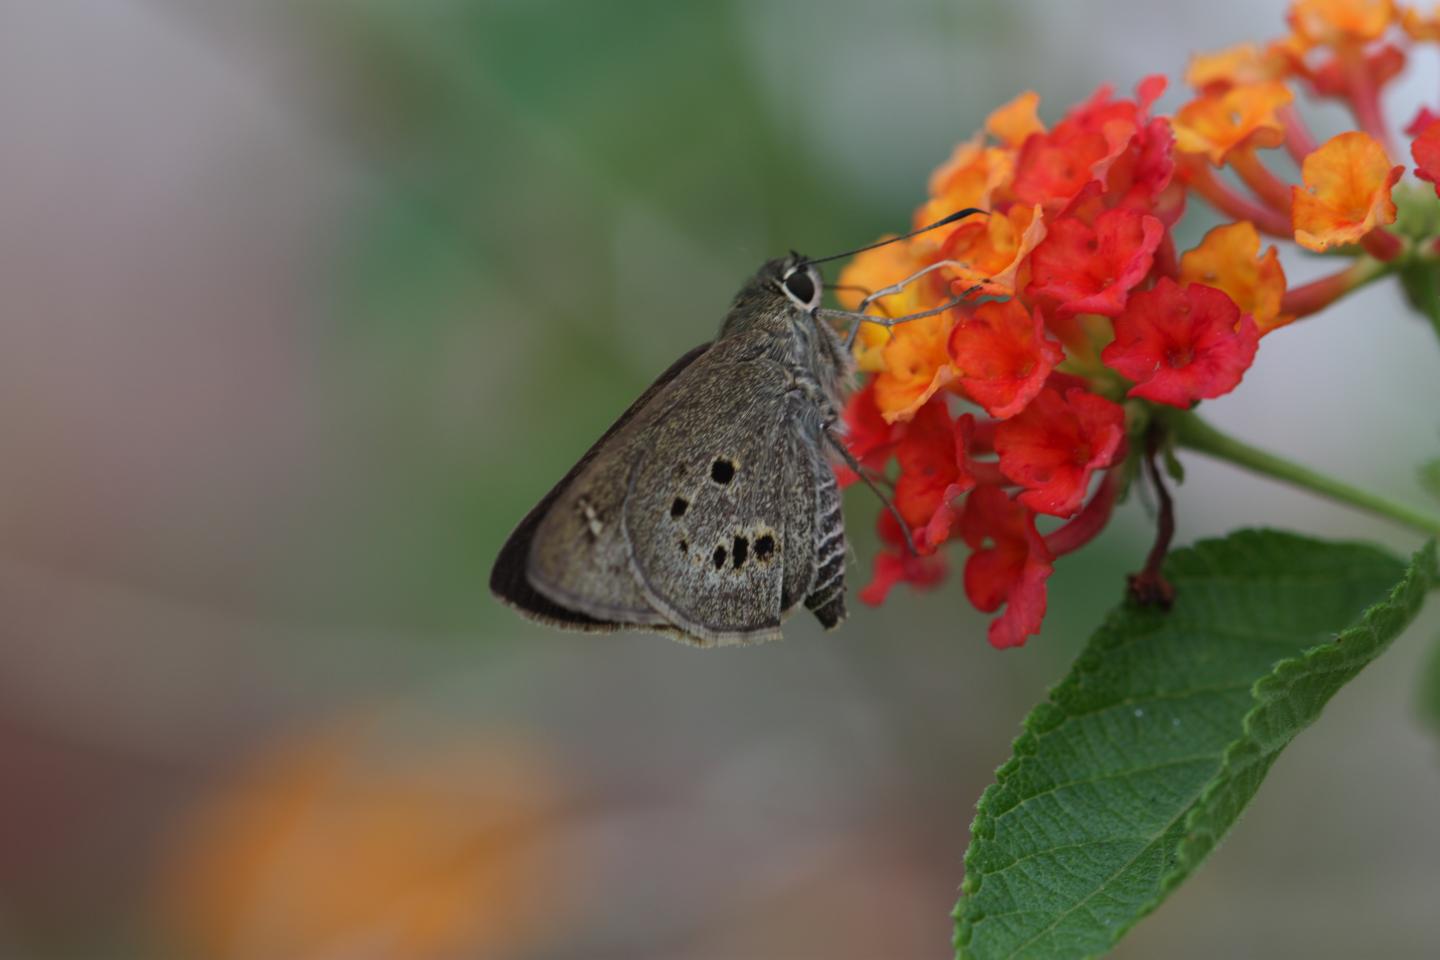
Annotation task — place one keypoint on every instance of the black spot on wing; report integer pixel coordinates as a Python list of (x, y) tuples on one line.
[(764, 547), (738, 550)]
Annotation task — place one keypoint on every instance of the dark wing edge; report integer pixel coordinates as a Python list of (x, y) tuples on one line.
[(508, 580)]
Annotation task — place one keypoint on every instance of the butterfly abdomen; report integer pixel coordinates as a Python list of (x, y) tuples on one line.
[(826, 598)]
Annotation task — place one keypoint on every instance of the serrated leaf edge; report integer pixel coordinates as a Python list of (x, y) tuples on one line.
[(1405, 599), (1048, 715)]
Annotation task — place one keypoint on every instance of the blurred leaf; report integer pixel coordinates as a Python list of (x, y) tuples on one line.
[(1430, 688), (1162, 732), (1421, 283), (1430, 478), (1173, 466)]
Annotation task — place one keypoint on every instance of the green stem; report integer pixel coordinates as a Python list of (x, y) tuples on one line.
[(1191, 432)]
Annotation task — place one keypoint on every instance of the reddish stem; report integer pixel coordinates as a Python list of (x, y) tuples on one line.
[(1316, 295), (1258, 178), (1299, 141), (982, 438), (1149, 587), (1167, 262), (1230, 203), (987, 472), (1091, 519), (1382, 244), (1364, 97)]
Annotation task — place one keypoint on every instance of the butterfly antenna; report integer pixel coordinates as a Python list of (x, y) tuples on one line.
[(957, 215)]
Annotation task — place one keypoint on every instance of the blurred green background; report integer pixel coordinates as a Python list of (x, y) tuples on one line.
[(306, 303)]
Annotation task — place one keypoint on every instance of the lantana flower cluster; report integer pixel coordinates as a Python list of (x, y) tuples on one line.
[(1034, 398)]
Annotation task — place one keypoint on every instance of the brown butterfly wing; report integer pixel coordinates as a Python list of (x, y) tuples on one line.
[(722, 506), (509, 577)]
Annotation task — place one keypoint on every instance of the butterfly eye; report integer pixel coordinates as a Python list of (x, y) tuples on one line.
[(800, 286)]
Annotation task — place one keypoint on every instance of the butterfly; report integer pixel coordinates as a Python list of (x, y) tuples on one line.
[(710, 510)]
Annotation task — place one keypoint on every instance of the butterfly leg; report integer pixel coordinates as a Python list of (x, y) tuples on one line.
[(864, 474), (900, 285), (858, 318)]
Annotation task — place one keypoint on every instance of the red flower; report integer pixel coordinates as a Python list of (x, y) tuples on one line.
[(1009, 566), (1056, 443), (937, 530), (1422, 119), (1425, 148), (897, 565), (1092, 269), (867, 436), (932, 471), (1003, 356), (1142, 176), (1054, 167), (1180, 345)]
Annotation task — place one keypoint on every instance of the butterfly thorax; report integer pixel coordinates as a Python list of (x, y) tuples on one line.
[(774, 323)]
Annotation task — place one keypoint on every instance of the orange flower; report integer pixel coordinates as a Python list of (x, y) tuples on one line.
[(1242, 65), (917, 366), (994, 250), (1016, 120), (970, 178), (1214, 124), (911, 361), (1229, 259), (1346, 194), (1341, 21), (873, 270), (345, 844)]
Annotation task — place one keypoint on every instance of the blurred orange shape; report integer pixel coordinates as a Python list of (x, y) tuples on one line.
[(1341, 21), (1242, 65), (1421, 26), (343, 847), (1229, 259), (1347, 188), (1016, 120), (971, 177)]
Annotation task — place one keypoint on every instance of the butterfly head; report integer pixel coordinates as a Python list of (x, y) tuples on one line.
[(791, 280), (799, 281), (781, 292)]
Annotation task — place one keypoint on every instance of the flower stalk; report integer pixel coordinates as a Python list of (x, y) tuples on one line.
[(1192, 433), (1318, 294), (1220, 196)]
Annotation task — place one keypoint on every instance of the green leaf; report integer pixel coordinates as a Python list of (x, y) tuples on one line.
[(1148, 750)]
